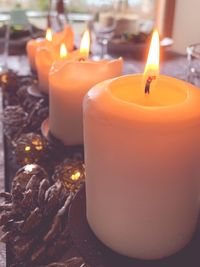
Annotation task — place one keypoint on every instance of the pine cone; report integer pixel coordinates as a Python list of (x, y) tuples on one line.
[(71, 172), (34, 218), (15, 121), (10, 83), (36, 107), (31, 148), (73, 262)]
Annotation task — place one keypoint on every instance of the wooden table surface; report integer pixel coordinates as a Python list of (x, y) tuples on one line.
[(173, 64)]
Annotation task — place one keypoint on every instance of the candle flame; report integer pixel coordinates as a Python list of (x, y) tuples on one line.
[(85, 44), (152, 65), (49, 36), (63, 51)]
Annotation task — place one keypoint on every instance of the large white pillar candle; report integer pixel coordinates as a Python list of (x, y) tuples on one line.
[(142, 170), (69, 81)]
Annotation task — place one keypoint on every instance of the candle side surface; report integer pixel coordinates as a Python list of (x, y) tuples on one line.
[(69, 82), (142, 170)]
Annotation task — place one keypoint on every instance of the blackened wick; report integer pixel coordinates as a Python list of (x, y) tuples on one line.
[(148, 84)]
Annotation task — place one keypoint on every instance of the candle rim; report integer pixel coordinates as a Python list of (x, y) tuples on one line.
[(140, 75), (114, 110), (49, 55), (56, 67)]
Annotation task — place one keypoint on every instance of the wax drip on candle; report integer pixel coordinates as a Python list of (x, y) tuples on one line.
[(148, 84)]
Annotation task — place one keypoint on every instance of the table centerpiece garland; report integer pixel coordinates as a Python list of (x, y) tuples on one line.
[(34, 214)]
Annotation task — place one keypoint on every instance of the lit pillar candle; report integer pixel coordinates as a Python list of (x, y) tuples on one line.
[(141, 154), (69, 81), (51, 42), (65, 37), (34, 44), (44, 59)]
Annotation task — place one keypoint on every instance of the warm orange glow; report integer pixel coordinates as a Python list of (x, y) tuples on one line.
[(63, 51), (49, 36), (27, 148), (76, 176), (85, 44), (152, 65)]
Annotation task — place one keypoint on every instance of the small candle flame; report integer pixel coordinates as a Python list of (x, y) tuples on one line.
[(63, 51), (152, 66), (85, 44), (49, 36)]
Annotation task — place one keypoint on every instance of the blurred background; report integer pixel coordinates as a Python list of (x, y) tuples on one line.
[(174, 18)]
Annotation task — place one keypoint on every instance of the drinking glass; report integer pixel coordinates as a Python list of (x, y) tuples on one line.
[(58, 10), (193, 64), (104, 26), (103, 35)]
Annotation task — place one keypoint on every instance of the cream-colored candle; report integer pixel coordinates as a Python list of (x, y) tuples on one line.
[(69, 81), (44, 59), (31, 48), (65, 37), (51, 42), (142, 170), (34, 44)]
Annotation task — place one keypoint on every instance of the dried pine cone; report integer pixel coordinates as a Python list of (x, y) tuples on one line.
[(31, 148), (10, 83), (8, 79), (71, 173), (73, 262), (22, 93), (34, 218), (30, 101), (25, 173), (15, 121), (38, 112), (36, 107)]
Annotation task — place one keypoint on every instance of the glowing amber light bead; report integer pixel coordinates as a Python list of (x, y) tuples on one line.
[(27, 148), (75, 176)]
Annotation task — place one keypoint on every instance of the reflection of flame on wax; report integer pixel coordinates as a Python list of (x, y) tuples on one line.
[(152, 66), (85, 44), (63, 51), (76, 176), (49, 36)]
